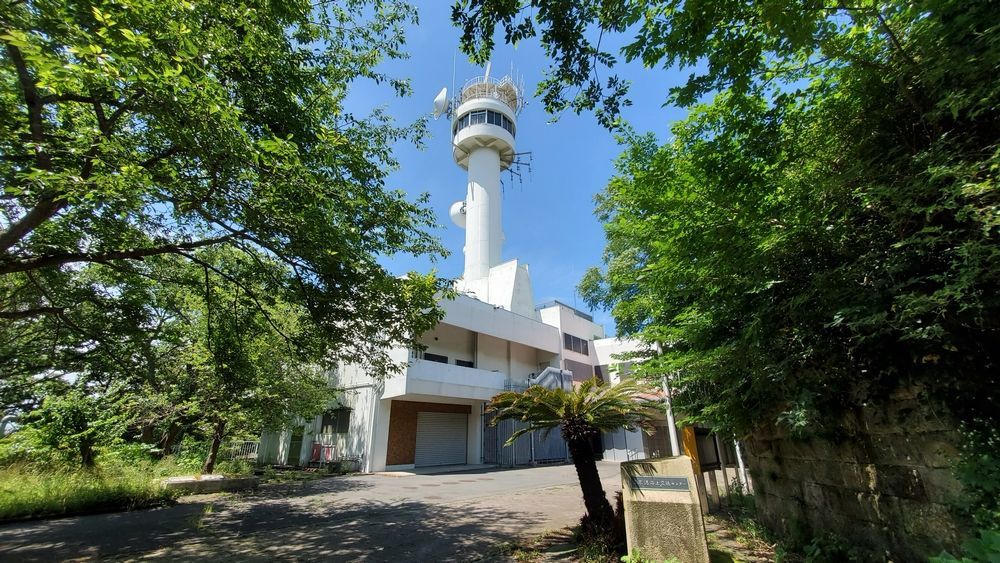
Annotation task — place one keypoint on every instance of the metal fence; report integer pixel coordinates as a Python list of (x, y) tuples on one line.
[(243, 450), (529, 449)]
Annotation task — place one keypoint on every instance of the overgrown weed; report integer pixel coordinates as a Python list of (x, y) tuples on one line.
[(28, 491)]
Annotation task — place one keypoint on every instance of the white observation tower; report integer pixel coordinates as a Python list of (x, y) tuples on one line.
[(484, 125)]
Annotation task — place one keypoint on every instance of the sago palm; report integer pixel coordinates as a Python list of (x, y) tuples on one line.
[(580, 415)]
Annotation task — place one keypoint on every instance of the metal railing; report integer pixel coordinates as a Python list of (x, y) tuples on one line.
[(245, 450), (502, 89)]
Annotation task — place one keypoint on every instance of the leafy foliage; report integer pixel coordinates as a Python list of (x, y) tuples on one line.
[(978, 467), (191, 221), (32, 492), (985, 548), (581, 415), (827, 219), (147, 129), (588, 409), (823, 227)]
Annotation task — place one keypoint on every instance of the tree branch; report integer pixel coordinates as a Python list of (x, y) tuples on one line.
[(133, 254), (166, 153), (49, 203), (31, 313), (250, 294), (46, 207), (31, 98)]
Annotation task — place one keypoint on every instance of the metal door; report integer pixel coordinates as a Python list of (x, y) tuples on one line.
[(441, 438)]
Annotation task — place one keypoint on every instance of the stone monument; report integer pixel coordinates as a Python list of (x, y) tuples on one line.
[(663, 511)]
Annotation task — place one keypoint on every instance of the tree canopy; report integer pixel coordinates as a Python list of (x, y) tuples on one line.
[(827, 212), (822, 228), (188, 202), (138, 130)]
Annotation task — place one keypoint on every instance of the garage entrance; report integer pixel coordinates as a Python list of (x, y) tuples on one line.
[(441, 438), (427, 434)]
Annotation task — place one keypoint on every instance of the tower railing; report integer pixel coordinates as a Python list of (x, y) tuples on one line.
[(502, 89)]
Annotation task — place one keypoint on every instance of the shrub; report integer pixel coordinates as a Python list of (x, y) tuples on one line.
[(599, 543)]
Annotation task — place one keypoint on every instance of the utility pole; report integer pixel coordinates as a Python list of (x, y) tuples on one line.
[(675, 449)]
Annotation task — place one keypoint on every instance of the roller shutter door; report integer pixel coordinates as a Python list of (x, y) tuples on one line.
[(441, 438)]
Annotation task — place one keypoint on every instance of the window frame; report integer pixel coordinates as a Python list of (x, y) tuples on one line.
[(432, 357)]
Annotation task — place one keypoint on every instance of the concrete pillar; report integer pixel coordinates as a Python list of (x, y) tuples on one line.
[(380, 435), (713, 482), (675, 449), (308, 438), (722, 463), (474, 450), (690, 442)]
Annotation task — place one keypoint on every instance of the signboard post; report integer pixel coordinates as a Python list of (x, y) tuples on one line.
[(663, 510)]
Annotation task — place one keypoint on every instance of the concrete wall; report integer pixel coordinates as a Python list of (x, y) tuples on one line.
[(356, 442), (605, 350), (267, 452), (886, 486), (491, 353), (567, 321), (478, 316), (523, 362), (451, 341), (425, 377)]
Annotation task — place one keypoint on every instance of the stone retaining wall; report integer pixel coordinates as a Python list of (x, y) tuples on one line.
[(886, 486)]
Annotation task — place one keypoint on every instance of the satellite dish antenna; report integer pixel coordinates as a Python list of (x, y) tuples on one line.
[(441, 103)]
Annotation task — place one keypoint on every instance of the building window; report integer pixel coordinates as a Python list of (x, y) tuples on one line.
[(435, 358), (336, 421), (465, 363), (576, 344)]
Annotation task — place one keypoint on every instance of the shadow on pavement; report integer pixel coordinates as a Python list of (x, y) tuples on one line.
[(295, 523)]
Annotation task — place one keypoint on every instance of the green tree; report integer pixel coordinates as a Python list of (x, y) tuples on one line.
[(141, 129), (68, 424), (826, 215), (822, 228), (203, 357), (581, 415)]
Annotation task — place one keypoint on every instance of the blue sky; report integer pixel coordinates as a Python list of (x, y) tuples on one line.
[(548, 217)]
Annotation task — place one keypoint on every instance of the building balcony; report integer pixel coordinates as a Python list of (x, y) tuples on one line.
[(428, 378)]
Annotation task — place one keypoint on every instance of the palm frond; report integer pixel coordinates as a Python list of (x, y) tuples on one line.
[(604, 407)]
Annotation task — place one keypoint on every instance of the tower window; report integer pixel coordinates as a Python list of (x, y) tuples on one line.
[(484, 116)]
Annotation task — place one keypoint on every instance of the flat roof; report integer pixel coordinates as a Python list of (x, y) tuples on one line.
[(558, 303)]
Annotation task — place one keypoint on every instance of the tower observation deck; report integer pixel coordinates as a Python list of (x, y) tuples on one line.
[(484, 127)]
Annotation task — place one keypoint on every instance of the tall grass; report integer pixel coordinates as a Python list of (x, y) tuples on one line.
[(28, 491)]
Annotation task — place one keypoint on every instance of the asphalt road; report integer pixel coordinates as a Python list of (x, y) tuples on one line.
[(449, 517)]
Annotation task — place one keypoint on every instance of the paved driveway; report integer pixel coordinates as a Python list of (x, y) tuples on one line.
[(450, 517)]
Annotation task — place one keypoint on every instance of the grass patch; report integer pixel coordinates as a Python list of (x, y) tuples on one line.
[(521, 552), (543, 547), (31, 492)]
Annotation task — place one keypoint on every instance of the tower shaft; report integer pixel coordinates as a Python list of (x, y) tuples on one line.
[(483, 228)]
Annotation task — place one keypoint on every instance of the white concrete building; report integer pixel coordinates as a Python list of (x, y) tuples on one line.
[(492, 338)]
